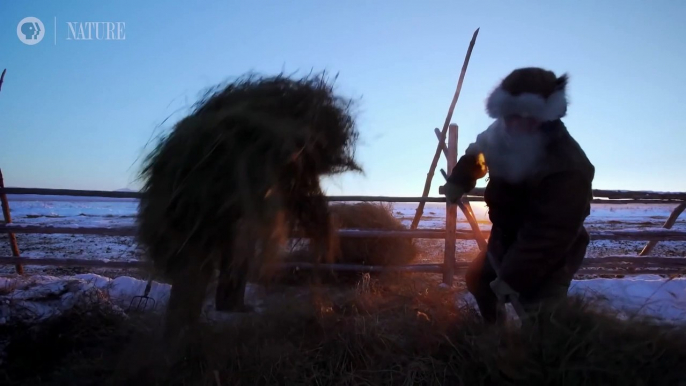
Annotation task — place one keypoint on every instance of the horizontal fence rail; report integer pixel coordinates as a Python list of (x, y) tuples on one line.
[(601, 196), (635, 235), (137, 195), (608, 265), (131, 231), (82, 261)]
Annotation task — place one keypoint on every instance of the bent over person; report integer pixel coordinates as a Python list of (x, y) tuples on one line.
[(538, 193)]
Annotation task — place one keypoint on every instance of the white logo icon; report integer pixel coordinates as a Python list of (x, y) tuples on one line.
[(30, 30)]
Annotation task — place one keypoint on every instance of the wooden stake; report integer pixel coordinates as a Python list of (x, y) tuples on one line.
[(440, 142), (8, 218), (432, 169), (668, 225), (2, 78), (471, 219), (451, 215)]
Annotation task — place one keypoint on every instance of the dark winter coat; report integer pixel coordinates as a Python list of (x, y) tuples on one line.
[(538, 233)]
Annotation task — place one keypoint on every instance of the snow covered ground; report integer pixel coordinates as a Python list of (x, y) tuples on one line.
[(37, 298), (641, 295), (51, 290)]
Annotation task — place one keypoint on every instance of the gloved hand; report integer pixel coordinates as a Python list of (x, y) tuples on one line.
[(453, 192), (502, 290)]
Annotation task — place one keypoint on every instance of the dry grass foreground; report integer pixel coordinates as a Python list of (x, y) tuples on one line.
[(399, 330)]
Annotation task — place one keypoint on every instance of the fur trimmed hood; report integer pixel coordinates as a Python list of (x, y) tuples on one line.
[(529, 92)]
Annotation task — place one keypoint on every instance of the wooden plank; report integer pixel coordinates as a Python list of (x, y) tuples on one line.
[(633, 201), (668, 225), (451, 214), (614, 265), (640, 235), (631, 272), (14, 246), (38, 229), (92, 263), (131, 231), (638, 194), (635, 235), (429, 268), (610, 196), (642, 261), (70, 192), (476, 195), (407, 233), (448, 118), (136, 195), (72, 262), (383, 199)]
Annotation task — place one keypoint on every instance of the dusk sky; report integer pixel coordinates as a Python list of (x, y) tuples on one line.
[(78, 114)]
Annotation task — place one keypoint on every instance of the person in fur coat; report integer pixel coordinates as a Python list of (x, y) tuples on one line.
[(538, 194)]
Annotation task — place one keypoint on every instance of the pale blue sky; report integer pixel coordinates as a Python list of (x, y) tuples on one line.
[(77, 114)]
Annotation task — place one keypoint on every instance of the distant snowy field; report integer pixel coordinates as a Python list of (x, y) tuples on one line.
[(649, 293)]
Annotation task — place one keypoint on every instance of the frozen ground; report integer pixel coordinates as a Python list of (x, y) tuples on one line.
[(641, 295), (37, 298)]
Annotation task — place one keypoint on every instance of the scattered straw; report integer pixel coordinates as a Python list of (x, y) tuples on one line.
[(400, 332)]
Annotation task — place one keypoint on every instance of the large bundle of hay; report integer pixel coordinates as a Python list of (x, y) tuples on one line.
[(384, 251), (380, 251), (244, 166)]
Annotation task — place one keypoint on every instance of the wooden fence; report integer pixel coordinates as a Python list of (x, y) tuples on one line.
[(449, 267), (604, 265)]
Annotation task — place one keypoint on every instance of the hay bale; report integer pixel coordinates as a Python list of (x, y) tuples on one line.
[(247, 159), (379, 251), (382, 251)]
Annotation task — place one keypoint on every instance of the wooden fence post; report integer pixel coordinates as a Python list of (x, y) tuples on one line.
[(451, 214), (8, 219), (668, 225)]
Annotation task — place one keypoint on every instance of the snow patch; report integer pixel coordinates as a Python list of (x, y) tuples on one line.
[(37, 298), (641, 295), (644, 295)]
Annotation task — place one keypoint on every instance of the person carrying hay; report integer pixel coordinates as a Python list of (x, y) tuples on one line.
[(538, 194), (223, 190)]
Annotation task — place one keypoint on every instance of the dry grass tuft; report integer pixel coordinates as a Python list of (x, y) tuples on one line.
[(395, 333)]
